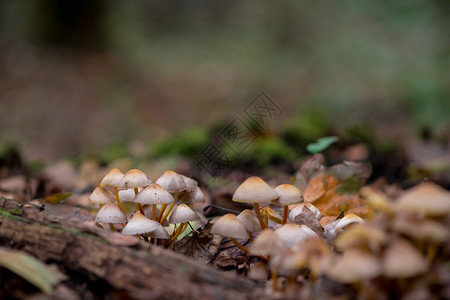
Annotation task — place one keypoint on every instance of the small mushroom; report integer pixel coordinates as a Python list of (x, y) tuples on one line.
[(101, 196), (250, 222), (112, 214), (288, 195), (113, 179), (230, 226), (134, 179), (154, 194), (255, 190), (402, 260)]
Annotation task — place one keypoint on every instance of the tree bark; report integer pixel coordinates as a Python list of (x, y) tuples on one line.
[(141, 271)]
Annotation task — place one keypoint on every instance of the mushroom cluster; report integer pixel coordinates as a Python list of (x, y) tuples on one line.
[(391, 256), (169, 200)]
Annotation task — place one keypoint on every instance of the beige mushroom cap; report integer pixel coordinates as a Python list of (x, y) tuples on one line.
[(361, 234), (194, 196), (191, 184), (112, 178), (288, 194), (139, 224), (127, 195), (290, 234), (100, 195), (172, 182), (347, 220), (355, 265), (134, 179), (182, 214), (249, 220), (425, 199), (267, 243), (159, 233), (402, 260), (423, 229), (254, 190), (230, 226), (110, 213), (154, 194)]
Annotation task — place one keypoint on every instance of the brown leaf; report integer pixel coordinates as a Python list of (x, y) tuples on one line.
[(199, 245), (307, 217)]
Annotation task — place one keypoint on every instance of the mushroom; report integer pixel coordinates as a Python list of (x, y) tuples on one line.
[(288, 195), (112, 179), (402, 260), (354, 266), (134, 179), (191, 184), (426, 199), (292, 233), (230, 226), (101, 196), (154, 194), (255, 190), (361, 235), (270, 214), (111, 213), (250, 222), (192, 197), (181, 214), (174, 184), (140, 224)]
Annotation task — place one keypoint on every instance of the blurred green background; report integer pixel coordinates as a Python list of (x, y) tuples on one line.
[(89, 75)]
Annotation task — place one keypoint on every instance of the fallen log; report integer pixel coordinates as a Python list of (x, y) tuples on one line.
[(140, 271)]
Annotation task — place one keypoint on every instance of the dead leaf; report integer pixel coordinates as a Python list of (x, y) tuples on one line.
[(307, 217), (199, 245), (56, 198), (26, 266)]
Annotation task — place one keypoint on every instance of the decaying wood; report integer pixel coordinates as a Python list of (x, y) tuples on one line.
[(141, 271)]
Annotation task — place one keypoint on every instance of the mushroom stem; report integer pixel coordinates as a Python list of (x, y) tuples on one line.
[(177, 233), (138, 205), (258, 215), (111, 226), (175, 198), (167, 213), (161, 212), (154, 208), (245, 249), (266, 218), (274, 279), (116, 192), (250, 236), (431, 252), (285, 214)]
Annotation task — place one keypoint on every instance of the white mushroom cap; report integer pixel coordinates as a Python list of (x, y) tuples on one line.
[(159, 233), (134, 179), (154, 194), (126, 195), (401, 260), (249, 220), (424, 229), (112, 178), (355, 265), (308, 231), (139, 224), (172, 182), (298, 210), (347, 220), (100, 195), (182, 214), (230, 226), (254, 190), (267, 243), (288, 194), (425, 199), (110, 213), (290, 234), (195, 196), (191, 184)]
